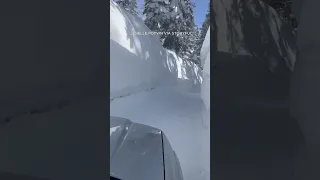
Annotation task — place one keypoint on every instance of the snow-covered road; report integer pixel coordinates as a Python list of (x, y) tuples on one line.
[(178, 114)]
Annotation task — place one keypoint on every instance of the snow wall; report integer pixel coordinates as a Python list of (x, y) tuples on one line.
[(205, 62), (139, 62), (255, 50), (205, 96)]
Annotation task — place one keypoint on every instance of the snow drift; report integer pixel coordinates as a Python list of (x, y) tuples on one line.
[(139, 62)]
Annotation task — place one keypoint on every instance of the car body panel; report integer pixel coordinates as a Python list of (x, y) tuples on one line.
[(172, 164), (136, 151)]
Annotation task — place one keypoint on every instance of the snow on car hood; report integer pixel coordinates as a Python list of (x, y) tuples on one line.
[(135, 151)]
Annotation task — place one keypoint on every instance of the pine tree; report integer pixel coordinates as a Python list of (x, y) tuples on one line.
[(162, 16), (188, 40), (129, 5), (190, 46), (204, 28), (171, 16), (189, 14), (173, 24), (155, 12), (181, 20), (194, 39)]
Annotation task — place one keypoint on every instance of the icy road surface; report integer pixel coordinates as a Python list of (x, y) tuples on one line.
[(178, 114)]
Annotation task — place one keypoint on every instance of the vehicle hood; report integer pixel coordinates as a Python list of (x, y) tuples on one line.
[(136, 151)]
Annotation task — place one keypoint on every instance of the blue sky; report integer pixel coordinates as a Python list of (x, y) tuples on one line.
[(199, 11)]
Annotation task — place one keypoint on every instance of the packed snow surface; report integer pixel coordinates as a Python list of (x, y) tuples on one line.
[(153, 86), (178, 115)]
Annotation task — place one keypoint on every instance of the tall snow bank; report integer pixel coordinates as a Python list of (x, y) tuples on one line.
[(205, 62), (187, 73), (205, 86), (205, 95), (139, 62)]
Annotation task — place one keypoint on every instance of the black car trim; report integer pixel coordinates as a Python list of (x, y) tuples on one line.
[(113, 178), (164, 167)]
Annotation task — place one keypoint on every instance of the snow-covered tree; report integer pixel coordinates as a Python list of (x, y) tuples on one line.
[(188, 8), (163, 16), (193, 46), (189, 46), (181, 20), (129, 5), (156, 13), (172, 16), (173, 24), (188, 41)]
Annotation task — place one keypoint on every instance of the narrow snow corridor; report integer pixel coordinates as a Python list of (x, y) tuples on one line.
[(152, 85), (178, 114)]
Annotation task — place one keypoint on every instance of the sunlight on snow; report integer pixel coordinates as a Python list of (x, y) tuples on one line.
[(114, 129)]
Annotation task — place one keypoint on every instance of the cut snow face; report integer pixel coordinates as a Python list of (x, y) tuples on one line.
[(205, 60), (137, 62), (205, 96)]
